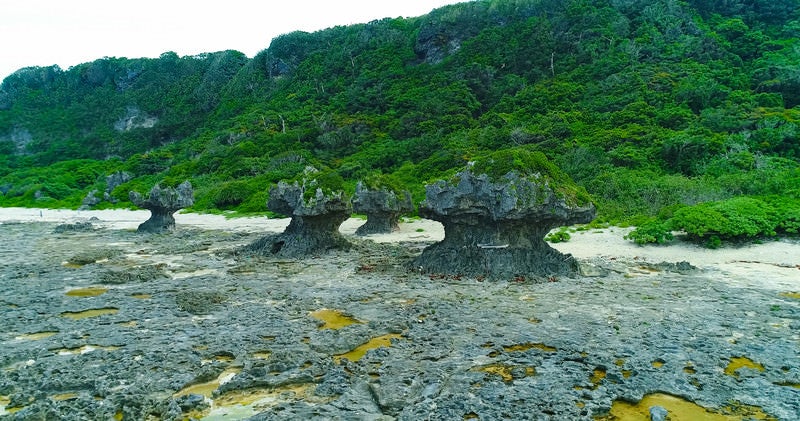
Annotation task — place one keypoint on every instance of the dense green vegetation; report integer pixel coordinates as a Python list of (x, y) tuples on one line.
[(734, 219), (654, 107)]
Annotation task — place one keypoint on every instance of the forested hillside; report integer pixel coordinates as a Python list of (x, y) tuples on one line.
[(650, 105)]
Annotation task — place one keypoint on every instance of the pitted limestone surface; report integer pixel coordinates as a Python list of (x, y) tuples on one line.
[(444, 348)]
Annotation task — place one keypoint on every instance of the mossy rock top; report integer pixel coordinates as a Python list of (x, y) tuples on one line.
[(377, 182), (508, 165), (513, 185), (312, 181), (377, 199), (168, 198), (306, 200)]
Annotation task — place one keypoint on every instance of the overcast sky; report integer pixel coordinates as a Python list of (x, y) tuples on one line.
[(70, 32)]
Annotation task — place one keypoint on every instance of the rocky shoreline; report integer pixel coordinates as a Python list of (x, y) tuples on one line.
[(104, 323)]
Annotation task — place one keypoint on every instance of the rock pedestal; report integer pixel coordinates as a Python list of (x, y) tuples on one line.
[(162, 203), (314, 227), (383, 208), (496, 229)]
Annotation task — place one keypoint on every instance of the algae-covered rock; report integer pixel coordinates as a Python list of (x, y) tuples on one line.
[(496, 213), (316, 208), (383, 207), (162, 203)]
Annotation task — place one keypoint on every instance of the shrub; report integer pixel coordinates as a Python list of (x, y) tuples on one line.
[(658, 232), (739, 217), (56, 190), (787, 211), (232, 194), (255, 203), (560, 236)]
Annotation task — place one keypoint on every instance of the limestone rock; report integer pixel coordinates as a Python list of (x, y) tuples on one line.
[(116, 179), (383, 208), (315, 221), (658, 413), (496, 228), (162, 203), (83, 226), (90, 201), (112, 181)]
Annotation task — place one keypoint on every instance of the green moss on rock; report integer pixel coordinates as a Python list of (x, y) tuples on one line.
[(330, 182), (530, 164), (379, 181)]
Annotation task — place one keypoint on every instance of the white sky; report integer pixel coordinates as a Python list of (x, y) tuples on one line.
[(70, 32)]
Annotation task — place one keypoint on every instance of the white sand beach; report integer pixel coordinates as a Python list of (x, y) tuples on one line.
[(774, 264)]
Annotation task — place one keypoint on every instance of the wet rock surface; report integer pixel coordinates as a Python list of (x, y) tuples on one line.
[(314, 227), (77, 226), (382, 207), (496, 229), (448, 348), (162, 204)]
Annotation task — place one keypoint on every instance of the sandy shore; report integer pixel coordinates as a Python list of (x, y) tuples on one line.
[(608, 242), (774, 264)]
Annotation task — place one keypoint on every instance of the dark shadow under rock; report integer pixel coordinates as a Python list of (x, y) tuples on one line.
[(162, 204), (314, 227), (496, 229), (383, 208)]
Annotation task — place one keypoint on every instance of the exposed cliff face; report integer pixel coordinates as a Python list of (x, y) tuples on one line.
[(162, 204), (383, 208), (314, 227), (134, 118), (496, 228)]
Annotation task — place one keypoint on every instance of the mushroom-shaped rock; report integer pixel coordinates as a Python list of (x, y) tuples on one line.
[(162, 203), (383, 207), (495, 224), (316, 216)]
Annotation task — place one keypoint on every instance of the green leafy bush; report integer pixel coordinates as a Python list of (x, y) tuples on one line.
[(560, 236), (736, 218), (232, 194), (787, 210), (256, 203), (653, 232)]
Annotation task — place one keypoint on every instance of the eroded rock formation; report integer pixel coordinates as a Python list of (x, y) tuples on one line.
[(162, 204), (112, 181), (496, 228), (314, 227), (383, 208)]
